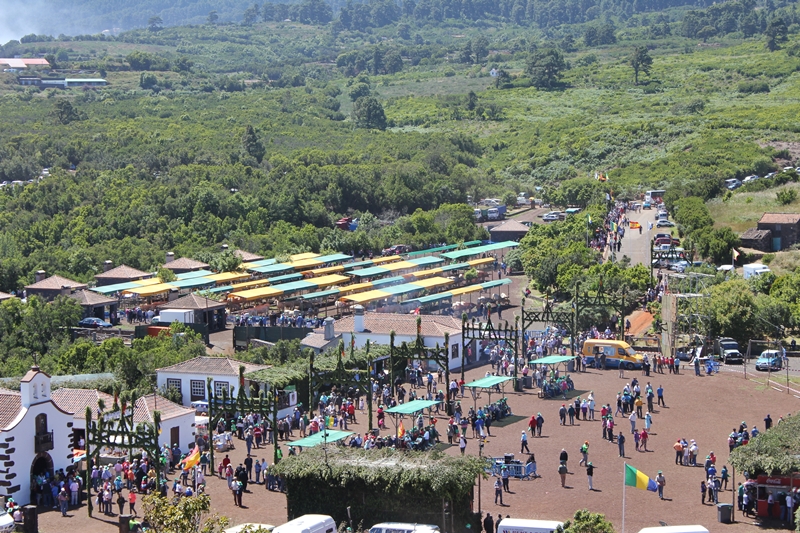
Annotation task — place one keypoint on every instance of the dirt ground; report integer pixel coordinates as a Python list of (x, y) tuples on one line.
[(700, 408)]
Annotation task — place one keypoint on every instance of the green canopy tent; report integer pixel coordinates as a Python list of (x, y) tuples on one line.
[(410, 408), (321, 437), (552, 360), (488, 383)]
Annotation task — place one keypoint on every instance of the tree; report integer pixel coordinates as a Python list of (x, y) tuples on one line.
[(585, 522), (640, 61), (392, 62), (359, 90), (545, 67), (706, 31), (147, 80), (368, 113), (250, 16), (480, 48), (777, 33), (165, 275), (64, 112), (155, 23), (252, 145), (189, 515), (212, 18), (691, 213), (786, 196)]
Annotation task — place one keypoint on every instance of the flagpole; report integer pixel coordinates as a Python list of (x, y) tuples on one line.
[(624, 489)]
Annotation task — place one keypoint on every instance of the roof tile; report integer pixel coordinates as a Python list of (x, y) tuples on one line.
[(247, 256), (207, 366), (406, 325), (85, 297), (10, 406), (195, 302), (77, 400), (186, 263), (779, 218), (145, 406), (124, 272), (55, 283)]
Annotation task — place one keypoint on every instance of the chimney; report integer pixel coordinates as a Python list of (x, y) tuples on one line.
[(224, 247), (328, 325), (170, 257), (174, 294), (107, 265), (358, 318), (66, 290), (40, 275)]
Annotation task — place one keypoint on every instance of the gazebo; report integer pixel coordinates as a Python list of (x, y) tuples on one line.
[(206, 310), (94, 305), (120, 274)]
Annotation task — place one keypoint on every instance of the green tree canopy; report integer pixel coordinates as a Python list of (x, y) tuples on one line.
[(368, 113), (545, 67), (641, 62)]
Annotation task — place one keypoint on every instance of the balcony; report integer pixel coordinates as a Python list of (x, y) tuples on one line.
[(44, 442)]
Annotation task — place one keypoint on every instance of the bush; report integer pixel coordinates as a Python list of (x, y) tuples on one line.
[(751, 87), (786, 196), (767, 259)]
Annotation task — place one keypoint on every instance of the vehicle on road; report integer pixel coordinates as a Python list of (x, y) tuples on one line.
[(615, 353), (647, 205), (310, 523), (400, 527), (519, 525), (94, 322), (732, 184), (669, 241), (497, 213), (552, 216), (396, 250), (665, 224), (680, 266), (726, 350), (769, 360)]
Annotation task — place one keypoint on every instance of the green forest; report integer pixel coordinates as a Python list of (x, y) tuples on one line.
[(260, 131)]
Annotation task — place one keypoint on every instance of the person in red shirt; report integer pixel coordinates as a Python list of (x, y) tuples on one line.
[(226, 461), (643, 439), (461, 384), (351, 411)]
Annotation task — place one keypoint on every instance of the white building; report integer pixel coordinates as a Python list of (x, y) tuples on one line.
[(189, 377), (27, 417), (177, 421), (377, 328)]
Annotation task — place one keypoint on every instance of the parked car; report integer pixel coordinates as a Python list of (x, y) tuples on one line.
[(552, 216), (750, 178), (93, 322), (7, 524), (396, 249), (769, 360), (665, 224), (669, 241), (680, 266), (732, 184)]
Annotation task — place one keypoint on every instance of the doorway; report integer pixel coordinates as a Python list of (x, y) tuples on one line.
[(42, 464), (175, 436)]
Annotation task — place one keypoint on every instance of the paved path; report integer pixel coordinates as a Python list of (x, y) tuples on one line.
[(635, 245)]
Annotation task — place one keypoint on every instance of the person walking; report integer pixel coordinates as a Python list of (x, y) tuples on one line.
[(584, 453), (621, 444), (660, 394), (506, 475), (488, 523), (703, 491), (562, 414), (562, 471), (462, 443), (498, 491), (523, 446), (132, 503), (564, 457), (539, 424), (643, 436), (632, 418), (661, 482), (571, 413), (63, 501), (724, 477), (590, 474)]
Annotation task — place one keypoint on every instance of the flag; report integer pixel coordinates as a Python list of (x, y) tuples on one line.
[(634, 478), (401, 431), (589, 218), (635, 225), (614, 227), (191, 460), (735, 254)]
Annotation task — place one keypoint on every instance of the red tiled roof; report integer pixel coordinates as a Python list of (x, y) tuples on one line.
[(779, 218), (511, 225), (145, 406), (195, 302), (77, 400), (247, 256), (385, 323), (123, 272), (6, 296), (31, 374), (10, 406), (85, 297), (186, 263), (216, 366), (55, 283), (317, 340)]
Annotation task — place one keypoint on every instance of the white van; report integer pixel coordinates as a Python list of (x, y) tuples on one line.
[(250, 527), (674, 529), (310, 523), (400, 527), (519, 525)]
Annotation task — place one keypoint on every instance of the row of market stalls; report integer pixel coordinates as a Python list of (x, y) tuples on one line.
[(320, 279)]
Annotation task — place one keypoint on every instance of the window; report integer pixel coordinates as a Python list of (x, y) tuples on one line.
[(220, 386), (198, 390), (41, 424), (174, 384), (454, 351)]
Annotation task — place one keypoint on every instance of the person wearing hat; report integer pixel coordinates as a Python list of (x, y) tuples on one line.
[(505, 474), (584, 453), (498, 491), (562, 471), (661, 481), (590, 474), (524, 443), (63, 501), (562, 414)]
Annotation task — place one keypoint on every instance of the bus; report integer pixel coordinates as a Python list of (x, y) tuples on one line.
[(654, 196)]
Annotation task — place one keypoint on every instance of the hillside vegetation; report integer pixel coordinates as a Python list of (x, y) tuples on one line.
[(262, 134)]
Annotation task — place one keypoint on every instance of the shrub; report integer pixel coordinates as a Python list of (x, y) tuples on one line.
[(751, 87), (786, 196), (767, 259)]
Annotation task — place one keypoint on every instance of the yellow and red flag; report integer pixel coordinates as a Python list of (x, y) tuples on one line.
[(191, 460), (401, 431), (635, 225)]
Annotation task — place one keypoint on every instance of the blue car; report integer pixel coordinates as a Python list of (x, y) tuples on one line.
[(769, 360), (93, 322)]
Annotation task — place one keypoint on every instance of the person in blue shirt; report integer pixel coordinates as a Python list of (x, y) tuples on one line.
[(660, 394)]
